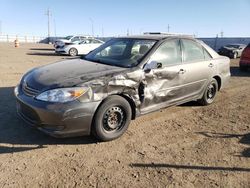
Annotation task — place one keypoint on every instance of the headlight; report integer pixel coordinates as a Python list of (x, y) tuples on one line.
[(62, 94), (16, 90)]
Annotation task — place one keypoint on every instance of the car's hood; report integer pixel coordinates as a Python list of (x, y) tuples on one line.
[(68, 73)]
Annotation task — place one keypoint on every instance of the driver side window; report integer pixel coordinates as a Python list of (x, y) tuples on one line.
[(169, 53)]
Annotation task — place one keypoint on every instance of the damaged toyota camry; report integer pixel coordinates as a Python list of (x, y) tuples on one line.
[(124, 78)]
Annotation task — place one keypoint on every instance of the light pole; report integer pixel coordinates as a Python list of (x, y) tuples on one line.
[(168, 28), (102, 31), (0, 27), (48, 13), (141, 31), (92, 26), (55, 27), (221, 34)]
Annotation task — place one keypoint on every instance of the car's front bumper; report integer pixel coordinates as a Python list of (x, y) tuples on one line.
[(56, 119), (60, 51)]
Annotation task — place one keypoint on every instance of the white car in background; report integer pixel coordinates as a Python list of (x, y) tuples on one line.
[(70, 39), (80, 48)]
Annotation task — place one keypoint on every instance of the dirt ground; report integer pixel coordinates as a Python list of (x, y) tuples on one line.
[(183, 146)]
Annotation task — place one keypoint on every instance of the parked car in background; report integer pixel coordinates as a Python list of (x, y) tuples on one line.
[(232, 50), (245, 59), (80, 48), (70, 39), (120, 80)]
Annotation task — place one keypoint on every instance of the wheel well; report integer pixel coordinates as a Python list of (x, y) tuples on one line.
[(218, 79), (128, 98), (132, 104)]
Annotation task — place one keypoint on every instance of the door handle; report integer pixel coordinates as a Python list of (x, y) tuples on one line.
[(210, 65), (182, 71)]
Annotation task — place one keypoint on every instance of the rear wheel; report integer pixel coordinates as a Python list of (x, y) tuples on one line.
[(73, 52), (112, 118), (210, 93)]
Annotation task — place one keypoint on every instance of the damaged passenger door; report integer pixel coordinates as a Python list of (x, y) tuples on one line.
[(163, 77)]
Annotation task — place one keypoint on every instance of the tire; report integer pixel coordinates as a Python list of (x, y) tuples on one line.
[(112, 118), (210, 93), (73, 52), (242, 68), (235, 55)]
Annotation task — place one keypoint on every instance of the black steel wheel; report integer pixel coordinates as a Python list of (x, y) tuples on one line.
[(210, 93), (112, 118)]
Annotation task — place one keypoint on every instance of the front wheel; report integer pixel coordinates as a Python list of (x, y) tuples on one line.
[(73, 52), (210, 93), (112, 118), (235, 55)]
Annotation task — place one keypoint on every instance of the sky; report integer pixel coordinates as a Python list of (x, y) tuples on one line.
[(203, 18)]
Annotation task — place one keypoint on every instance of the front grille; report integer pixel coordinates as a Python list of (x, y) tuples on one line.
[(29, 91), (27, 113)]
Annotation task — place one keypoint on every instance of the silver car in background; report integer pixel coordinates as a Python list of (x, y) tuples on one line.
[(70, 39), (80, 48), (120, 80)]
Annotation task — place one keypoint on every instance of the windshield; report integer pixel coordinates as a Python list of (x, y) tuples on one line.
[(68, 37), (122, 52)]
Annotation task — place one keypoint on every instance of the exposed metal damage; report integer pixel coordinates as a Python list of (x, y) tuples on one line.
[(139, 85)]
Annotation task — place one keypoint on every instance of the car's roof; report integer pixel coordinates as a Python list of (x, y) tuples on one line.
[(156, 36)]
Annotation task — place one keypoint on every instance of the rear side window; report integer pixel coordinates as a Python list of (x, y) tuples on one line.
[(168, 53), (248, 45), (192, 50)]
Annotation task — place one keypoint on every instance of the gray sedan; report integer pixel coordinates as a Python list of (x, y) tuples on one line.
[(119, 81)]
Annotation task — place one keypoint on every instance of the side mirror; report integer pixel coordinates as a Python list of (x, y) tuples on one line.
[(152, 65)]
